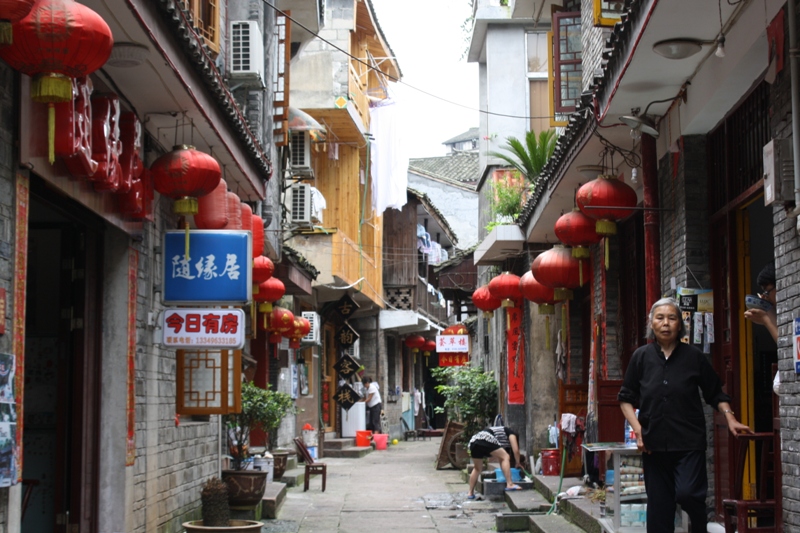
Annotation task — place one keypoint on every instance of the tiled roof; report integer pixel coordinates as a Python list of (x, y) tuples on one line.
[(435, 213), (461, 168), (458, 258), (300, 261), (582, 122), (468, 135)]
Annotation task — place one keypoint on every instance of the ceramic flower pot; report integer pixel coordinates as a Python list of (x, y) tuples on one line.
[(279, 466), (237, 526), (245, 487)]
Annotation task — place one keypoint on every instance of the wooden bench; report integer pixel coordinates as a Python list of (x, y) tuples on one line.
[(312, 467)]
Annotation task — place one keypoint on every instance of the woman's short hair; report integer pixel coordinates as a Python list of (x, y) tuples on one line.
[(660, 303)]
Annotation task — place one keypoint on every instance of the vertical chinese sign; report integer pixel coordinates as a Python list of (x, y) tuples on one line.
[(130, 444), (20, 276), (516, 357)]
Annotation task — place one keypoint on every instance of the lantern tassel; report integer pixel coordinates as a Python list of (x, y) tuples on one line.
[(546, 332), (580, 272), (187, 241), (607, 251), (564, 321), (51, 133), (6, 34)]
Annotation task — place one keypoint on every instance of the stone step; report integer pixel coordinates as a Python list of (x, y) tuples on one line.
[(274, 495), (353, 452), (294, 477), (551, 523), (512, 521), (527, 501), (338, 444)]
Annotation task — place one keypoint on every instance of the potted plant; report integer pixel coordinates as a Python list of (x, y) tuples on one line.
[(262, 409), (216, 514)]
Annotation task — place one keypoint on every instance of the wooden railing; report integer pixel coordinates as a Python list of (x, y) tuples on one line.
[(357, 88), (427, 303)]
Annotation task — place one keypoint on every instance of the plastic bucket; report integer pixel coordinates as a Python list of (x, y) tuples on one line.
[(381, 440), (516, 475), (363, 437), (550, 462), (264, 464)]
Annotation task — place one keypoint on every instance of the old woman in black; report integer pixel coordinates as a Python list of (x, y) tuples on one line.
[(663, 379)]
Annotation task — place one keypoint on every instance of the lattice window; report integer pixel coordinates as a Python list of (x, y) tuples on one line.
[(209, 382), (400, 298), (280, 81), (205, 18), (567, 56)]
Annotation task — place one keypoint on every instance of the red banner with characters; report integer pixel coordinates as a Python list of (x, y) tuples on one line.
[(453, 359), (516, 357)]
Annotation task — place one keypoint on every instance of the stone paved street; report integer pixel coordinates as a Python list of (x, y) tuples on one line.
[(393, 490)]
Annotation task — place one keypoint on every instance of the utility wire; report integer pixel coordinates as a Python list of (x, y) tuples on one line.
[(398, 80)]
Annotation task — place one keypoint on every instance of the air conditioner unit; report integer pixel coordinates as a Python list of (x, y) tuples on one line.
[(353, 351), (247, 53), (299, 203), (300, 152), (313, 333)]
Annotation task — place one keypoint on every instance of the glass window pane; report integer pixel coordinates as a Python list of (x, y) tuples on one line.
[(537, 52)]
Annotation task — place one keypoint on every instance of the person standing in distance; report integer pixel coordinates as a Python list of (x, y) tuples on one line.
[(374, 404)]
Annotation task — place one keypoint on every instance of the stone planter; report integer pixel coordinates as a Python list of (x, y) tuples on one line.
[(245, 488), (237, 526)]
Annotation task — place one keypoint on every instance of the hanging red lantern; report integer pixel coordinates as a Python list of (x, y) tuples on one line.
[(538, 293), (556, 268), (212, 209), (457, 329), (246, 216), (506, 288), (300, 329), (184, 174), (58, 40), (483, 300), (427, 348), (280, 320), (263, 268), (415, 342), (234, 211), (11, 12), (269, 292), (607, 200), (258, 235), (577, 229)]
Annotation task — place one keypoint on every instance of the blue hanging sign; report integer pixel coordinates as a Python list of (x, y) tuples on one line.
[(218, 271)]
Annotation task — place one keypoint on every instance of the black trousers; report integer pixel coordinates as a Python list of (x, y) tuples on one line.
[(672, 478), (373, 416)]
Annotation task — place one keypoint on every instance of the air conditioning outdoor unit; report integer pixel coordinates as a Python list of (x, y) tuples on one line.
[(313, 333), (300, 160), (247, 53), (299, 203), (353, 350)]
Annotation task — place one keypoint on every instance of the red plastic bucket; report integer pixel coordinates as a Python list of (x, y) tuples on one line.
[(550, 462), (381, 440), (363, 437)]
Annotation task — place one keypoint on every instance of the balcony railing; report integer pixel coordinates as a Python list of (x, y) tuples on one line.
[(428, 304), (357, 87)]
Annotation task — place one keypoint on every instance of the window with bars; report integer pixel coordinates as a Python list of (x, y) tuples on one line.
[(205, 18), (567, 56)]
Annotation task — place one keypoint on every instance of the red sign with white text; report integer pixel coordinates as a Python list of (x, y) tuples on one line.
[(203, 328)]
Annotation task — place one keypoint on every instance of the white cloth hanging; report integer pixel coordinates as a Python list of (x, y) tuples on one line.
[(561, 360), (389, 158), (568, 423)]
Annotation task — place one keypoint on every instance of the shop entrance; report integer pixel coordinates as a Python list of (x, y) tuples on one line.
[(61, 407)]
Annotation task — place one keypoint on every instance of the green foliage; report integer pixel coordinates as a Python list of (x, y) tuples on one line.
[(508, 197), (529, 158), (262, 409), (470, 397)]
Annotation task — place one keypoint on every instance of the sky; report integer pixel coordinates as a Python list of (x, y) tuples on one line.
[(429, 43)]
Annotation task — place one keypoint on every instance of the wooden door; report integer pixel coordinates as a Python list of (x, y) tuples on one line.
[(328, 378)]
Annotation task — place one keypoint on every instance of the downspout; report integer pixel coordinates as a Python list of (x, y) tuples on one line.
[(652, 249), (795, 87)]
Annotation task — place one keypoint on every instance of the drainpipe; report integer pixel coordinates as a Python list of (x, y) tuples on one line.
[(652, 248), (795, 87)]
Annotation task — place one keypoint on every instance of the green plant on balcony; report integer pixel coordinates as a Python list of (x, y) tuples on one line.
[(509, 195), (529, 158)]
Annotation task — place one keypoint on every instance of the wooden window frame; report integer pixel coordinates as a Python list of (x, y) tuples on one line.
[(551, 84), (209, 29), (558, 105), (599, 19), (225, 393)]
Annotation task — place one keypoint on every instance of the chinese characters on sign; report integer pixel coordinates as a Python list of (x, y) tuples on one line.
[(203, 328), (452, 343), (516, 357), (453, 359), (346, 397), (218, 271), (346, 336), (346, 306), (346, 366)]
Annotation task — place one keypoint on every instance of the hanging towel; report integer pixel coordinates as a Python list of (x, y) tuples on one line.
[(561, 360), (568, 423)]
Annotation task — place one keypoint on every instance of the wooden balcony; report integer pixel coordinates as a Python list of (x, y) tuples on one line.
[(428, 304)]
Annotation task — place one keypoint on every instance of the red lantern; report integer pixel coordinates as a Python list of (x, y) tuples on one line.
[(300, 329), (234, 211), (538, 293), (263, 268), (427, 348), (458, 329), (556, 268), (268, 292), (280, 320), (483, 300), (258, 235), (58, 40), (212, 209), (247, 217), (506, 288), (11, 12), (576, 229), (415, 342), (184, 174), (607, 200)]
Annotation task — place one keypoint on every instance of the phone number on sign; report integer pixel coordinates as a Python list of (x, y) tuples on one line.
[(221, 341)]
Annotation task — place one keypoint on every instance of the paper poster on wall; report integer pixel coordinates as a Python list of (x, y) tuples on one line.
[(796, 343), (8, 421), (697, 307)]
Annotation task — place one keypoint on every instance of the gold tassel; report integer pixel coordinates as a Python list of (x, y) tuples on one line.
[(546, 332), (564, 321), (51, 133), (187, 241), (6, 34), (580, 272), (607, 251)]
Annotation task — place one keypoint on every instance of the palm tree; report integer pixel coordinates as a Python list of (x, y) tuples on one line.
[(529, 159)]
